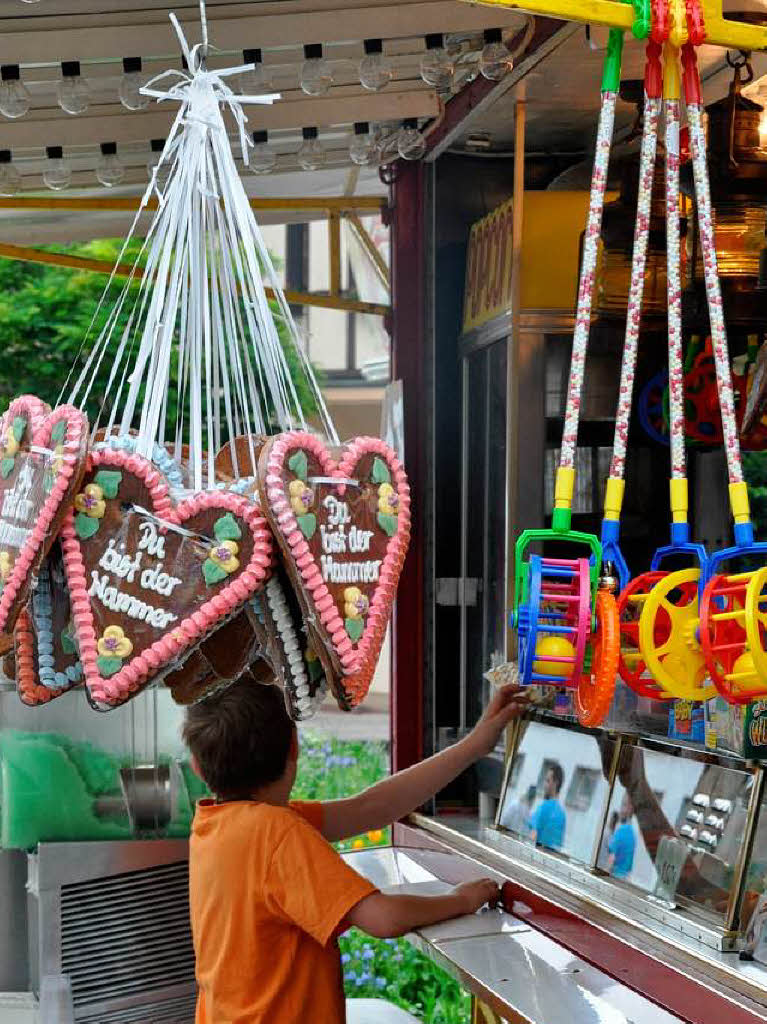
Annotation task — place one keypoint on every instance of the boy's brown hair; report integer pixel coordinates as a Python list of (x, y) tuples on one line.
[(240, 737)]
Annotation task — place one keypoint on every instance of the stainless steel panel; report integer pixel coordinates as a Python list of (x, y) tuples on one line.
[(14, 961)]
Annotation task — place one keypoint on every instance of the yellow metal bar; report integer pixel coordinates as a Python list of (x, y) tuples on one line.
[(334, 252), (57, 259), (616, 14), (379, 263), (339, 204)]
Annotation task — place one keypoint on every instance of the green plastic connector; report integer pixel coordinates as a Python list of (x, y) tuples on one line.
[(611, 71), (642, 19)]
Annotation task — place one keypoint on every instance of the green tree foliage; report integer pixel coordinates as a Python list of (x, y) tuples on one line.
[(45, 316)]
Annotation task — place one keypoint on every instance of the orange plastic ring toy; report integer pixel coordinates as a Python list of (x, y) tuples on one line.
[(594, 694)]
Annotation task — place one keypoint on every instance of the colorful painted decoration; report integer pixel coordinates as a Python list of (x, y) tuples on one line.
[(42, 461), (154, 579), (343, 526)]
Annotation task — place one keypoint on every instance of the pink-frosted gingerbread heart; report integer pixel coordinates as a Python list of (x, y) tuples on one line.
[(42, 460), (149, 579), (344, 526)]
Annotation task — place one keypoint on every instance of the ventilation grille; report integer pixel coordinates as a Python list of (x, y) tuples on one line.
[(170, 1011), (128, 934)]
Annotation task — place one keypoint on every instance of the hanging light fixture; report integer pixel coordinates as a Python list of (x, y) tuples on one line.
[(311, 155), (10, 179), (109, 170), (316, 73), (411, 145), (131, 83), (257, 81), (262, 157), (362, 148), (72, 91), (437, 66), (14, 97), (57, 174), (495, 61), (375, 70)]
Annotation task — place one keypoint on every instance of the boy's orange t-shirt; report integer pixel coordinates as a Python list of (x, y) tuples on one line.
[(267, 895)]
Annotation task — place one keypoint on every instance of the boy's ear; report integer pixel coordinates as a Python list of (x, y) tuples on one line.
[(195, 767)]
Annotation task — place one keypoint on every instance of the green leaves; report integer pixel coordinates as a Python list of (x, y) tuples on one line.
[(108, 666), (6, 467), (355, 628), (109, 481), (59, 432), (212, 573), (86, 526), (67, 642), (307, 524), (297, 464), (387, 523), (227, 528), (381, 474), (19, 427)]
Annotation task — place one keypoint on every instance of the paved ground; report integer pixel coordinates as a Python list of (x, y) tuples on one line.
[(370, 722)]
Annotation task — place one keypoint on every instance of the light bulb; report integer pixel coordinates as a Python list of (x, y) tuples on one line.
[(109, 170), (316, 73), (161, 171), (14, 97), (262, 159), (411, 145), (30, 1), (73, 92), (362, 148), (57, 174), (311, 155), (437, 65), (258, 81), (130, 84), (375, 70), (495, 61), (10, 179)]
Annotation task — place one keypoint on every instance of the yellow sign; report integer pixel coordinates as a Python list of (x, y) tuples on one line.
[(488, 268)]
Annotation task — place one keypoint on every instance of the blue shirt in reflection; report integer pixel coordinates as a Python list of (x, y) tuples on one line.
[(548, 823), (622, 847)]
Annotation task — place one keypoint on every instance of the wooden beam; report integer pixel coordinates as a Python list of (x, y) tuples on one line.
[(321, 300), (340, 204), (334, 252), (377, 260)]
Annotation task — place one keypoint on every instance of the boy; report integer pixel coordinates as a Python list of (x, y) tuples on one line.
[(268, 895)]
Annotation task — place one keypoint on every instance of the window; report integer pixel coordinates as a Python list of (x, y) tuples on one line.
[(516, 771), (581, 790)]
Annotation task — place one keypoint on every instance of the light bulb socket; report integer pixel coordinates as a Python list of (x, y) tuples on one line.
[(157, 145), (54, 152), (108, 149), (313, 51), (309, 133), (252, 56), (361, 127), (70, 68), (260, 136), (131, 65), (411, 123), (10, 73), (5, 156), (435, 41), (373, 46), (492, 35)]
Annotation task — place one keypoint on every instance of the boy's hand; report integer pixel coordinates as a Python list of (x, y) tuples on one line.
[(508, 703), (473, 895)]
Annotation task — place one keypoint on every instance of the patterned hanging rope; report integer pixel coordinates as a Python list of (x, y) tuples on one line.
[(674, 292)]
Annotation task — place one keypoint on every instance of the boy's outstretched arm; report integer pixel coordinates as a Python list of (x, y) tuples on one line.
[(393, 798), (387, 917)]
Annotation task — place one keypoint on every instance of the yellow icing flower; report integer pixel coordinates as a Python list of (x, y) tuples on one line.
[(301, 497), (310, 655), (388, 500), (91, 502), (355, 603), (6, 565), (224, 556), (10, 445), (114, 643), (58, 458)]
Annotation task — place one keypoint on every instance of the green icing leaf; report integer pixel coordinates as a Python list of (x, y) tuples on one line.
[(387, 523), (355, 629), (59, 431), (226, 528), (314, 668), (298, 464), (307, 524), (213, 573), (85, 526), (381, 474), (6, 467), (109, 481), (48, 482), (108, 666), (18, 428), (68, 643)]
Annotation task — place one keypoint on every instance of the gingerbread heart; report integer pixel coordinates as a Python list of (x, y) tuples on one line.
[(42, 460), (47, 662), (219, 660), (150, 579), (344, 526)]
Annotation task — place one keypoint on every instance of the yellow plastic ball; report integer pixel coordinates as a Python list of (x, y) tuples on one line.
[(744, 666), (553, 647)]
